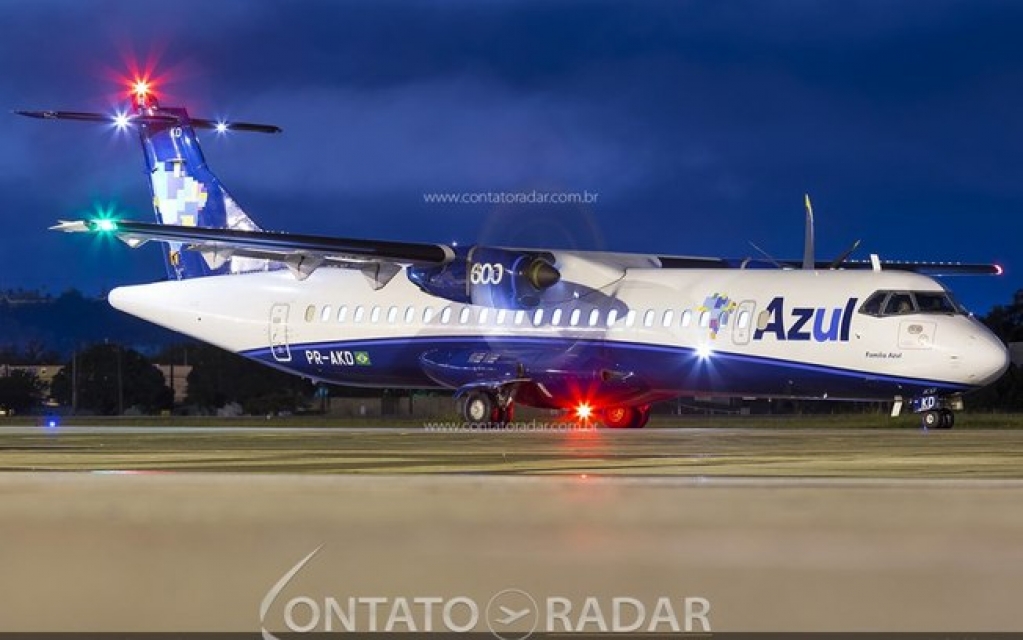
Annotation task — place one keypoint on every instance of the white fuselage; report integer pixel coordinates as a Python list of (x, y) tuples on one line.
[(333, 325)]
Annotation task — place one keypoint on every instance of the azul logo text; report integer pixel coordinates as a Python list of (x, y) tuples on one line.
[(818, 324)]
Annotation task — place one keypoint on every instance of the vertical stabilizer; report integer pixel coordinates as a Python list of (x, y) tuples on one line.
[(185, 191)]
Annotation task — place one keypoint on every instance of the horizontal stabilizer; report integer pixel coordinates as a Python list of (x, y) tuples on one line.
[(163, 118)]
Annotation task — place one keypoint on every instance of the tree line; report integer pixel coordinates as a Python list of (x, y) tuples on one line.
[(110, 379)]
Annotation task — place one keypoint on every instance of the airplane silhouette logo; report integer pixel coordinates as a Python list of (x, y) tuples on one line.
[(512, 614)]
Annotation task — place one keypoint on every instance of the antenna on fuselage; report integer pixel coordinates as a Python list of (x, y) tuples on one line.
[(808, 259)]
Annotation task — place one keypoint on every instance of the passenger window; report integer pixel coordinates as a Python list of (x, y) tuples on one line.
[(612, 317), (392, 315), (359, 312), (687, 318), (594, 317), (556, 317), (445, 315), (501, 315), (704, 319), (899, 304), (342, 313), (374, 315), (520, 316), (630, 318), (574, 318), (410, 314), (648, 318), (325, 313), (669, 317), (427, 315), (484, 313), (538, 317), (463, 315), (310, 313)]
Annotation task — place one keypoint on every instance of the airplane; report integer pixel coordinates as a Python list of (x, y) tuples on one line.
[(599, 335)]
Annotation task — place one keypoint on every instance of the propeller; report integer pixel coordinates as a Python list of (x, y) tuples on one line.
[(809, 262)]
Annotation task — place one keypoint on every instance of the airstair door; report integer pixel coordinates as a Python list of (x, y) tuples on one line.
[(279, 333)]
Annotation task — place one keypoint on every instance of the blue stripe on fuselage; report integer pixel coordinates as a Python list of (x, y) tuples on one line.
[(394, 362)]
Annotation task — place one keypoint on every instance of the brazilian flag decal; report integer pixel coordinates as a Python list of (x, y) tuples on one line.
[(362, 358)]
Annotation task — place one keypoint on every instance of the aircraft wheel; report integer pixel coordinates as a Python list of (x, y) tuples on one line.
[(478, 407), (931, 420), (625, 417), (948, 419)]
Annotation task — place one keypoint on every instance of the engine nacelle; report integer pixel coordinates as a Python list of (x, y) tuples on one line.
[(490, 276)]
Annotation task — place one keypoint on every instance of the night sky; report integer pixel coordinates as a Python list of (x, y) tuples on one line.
[(700, 125)]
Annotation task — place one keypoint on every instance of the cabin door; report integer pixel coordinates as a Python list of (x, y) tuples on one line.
[(279, 333), (743, 323)]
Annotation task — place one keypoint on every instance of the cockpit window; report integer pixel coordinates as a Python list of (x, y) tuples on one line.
[(874, 303), (898, 303), (937, 302)]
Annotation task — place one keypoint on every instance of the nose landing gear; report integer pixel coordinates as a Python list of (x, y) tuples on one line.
[(936, 412), (938, 419)]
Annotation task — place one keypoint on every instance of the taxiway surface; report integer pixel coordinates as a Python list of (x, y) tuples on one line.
[(787, 530)]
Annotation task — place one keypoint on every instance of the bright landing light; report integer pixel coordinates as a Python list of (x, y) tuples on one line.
[(105, 224), (703, 351), (221, 127)]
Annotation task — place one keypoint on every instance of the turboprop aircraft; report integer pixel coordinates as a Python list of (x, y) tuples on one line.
[(601, 334)]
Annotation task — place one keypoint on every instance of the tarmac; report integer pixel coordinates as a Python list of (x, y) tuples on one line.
[(192, 529)]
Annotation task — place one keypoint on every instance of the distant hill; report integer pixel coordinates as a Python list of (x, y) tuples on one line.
[(33, 321)]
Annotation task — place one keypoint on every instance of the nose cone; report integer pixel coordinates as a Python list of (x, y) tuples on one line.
[(988, 357)]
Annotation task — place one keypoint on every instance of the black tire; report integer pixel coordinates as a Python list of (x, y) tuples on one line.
[(931, 420), (625, 417), (618, 417), (478, 408), (948, 419)]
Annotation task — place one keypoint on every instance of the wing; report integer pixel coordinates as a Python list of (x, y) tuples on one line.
[(926, 268), (302, 254)]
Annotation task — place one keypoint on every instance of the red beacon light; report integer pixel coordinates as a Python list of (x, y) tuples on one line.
[(143, 94)]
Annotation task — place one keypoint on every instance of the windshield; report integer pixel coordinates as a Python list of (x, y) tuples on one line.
[(900, 303)]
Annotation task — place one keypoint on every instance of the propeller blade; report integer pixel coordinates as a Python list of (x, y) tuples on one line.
[(837, 262), (769, 257), (808, 259)]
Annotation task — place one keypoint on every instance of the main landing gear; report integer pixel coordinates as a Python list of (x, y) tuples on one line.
[(625, 417), (495, 409), (486, 408)]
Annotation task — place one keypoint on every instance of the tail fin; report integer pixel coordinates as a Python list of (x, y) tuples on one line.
[(185, 192)]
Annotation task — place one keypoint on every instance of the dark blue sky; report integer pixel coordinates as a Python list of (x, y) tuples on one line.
[(700, 124)]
